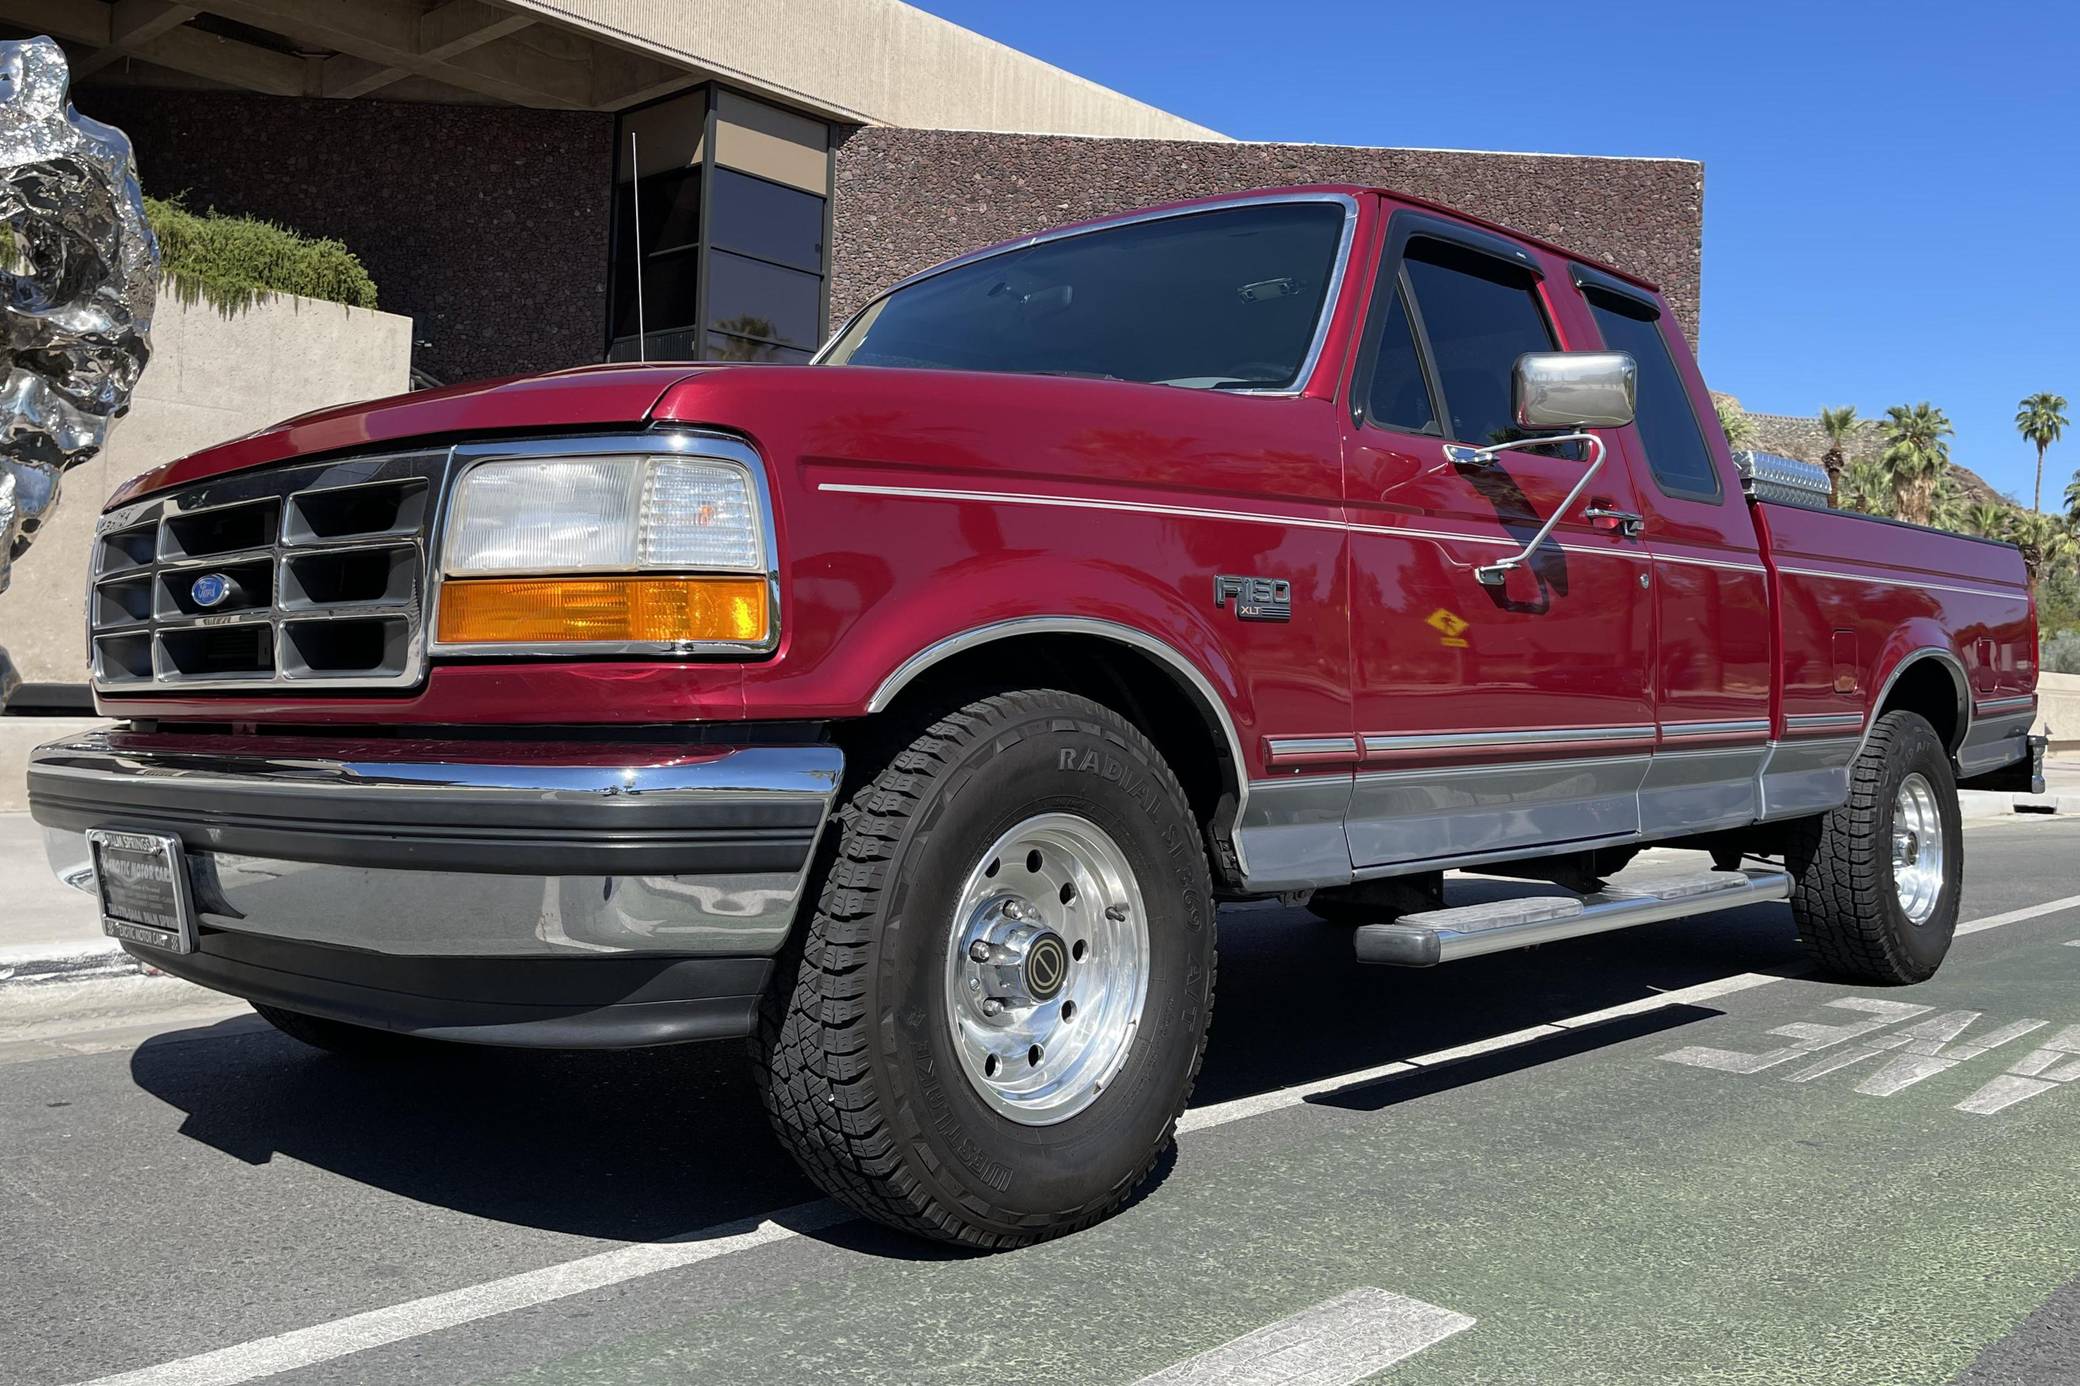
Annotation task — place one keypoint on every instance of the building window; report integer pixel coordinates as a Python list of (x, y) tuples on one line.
[(721, 204)]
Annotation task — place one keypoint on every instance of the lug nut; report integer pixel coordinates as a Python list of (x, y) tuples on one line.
[(1014, 910), (992, 1006), (978, 951)]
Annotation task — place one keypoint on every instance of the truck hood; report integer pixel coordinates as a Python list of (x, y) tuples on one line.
[(587, 397)]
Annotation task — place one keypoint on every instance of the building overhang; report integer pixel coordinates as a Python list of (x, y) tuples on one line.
[(872, 62)]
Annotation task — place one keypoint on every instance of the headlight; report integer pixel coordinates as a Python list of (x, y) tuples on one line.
[(604, 515), (606, 551)]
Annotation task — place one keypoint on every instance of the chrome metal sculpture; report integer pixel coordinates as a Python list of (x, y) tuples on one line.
[(79, 273)]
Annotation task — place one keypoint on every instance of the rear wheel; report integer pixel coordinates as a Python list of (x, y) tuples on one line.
[(1878, 878), (998, 1004)]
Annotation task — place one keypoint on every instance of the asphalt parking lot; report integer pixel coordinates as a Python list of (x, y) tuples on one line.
[(1658, 1156)]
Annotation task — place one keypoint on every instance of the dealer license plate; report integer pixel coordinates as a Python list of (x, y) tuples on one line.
[(143, 879)]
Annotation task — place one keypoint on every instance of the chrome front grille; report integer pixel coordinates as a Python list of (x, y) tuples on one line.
[(309, 575)]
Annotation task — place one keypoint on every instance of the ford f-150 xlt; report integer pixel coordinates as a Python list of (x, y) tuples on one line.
[(908, 712)]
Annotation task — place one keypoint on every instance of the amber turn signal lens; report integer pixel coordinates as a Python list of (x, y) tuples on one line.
[(642, 610)]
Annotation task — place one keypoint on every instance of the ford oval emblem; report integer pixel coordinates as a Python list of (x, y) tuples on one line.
[(210, 589)]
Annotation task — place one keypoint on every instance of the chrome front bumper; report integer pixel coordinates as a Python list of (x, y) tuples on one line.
[(439, 854)]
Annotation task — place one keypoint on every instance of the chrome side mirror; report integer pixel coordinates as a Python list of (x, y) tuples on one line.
[(1574, 389)]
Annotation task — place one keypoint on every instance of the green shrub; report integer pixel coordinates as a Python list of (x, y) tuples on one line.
[(2061, 653), (230, 262)]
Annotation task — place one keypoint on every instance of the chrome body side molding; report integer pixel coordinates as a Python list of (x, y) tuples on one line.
[(1527, 736), (1824, 721)]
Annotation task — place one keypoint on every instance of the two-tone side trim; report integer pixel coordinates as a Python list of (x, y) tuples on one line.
[(1309, 750), (1377, 744), (1751, 726), (1686, 561), (1922, 583), (1187, 512), (2014, 704), (1824, 721)]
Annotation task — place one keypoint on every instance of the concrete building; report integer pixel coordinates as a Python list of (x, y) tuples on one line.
[(511, 170), (544, 183)]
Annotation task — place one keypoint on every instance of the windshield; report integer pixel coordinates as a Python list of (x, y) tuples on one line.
[(1221, 299)]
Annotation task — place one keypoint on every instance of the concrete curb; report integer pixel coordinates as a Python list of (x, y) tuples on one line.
[(1981, 804)]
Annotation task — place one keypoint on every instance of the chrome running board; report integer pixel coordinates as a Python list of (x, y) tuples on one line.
[(1467, 931)]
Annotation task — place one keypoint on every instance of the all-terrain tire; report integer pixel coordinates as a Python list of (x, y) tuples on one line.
[(1845, 899), (338, 1037), (853, 1053)]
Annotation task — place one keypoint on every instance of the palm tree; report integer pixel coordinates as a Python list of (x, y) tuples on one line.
[(1915, 458), (1947, 506), (1840, 426), (2041, 419), (1866, 487), (2043, 539), (2073, 499), (1735, 424), (1986, 518)]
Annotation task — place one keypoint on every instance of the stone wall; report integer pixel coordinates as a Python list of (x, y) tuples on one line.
[(907, 199), (211, 377), (487, 226)]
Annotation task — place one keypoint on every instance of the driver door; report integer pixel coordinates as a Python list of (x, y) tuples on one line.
[(1489, 718)]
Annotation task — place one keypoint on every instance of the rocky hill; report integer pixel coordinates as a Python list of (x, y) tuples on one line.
[(1793, 435)]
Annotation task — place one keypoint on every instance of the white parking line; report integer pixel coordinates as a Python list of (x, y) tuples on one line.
[(2016, 916), (359, 1332), (1343, 1340)]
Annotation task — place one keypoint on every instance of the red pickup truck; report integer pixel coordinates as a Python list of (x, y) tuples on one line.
[(909, 712)]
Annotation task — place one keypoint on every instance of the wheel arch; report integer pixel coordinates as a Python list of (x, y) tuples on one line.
[(1139, 675), (1929, 681)]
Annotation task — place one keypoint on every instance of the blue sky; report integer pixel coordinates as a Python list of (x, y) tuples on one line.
[(1892, 191)]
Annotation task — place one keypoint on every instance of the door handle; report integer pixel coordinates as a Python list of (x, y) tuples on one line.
[(1629, 523)]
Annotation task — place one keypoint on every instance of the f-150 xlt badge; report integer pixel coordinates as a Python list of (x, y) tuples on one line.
[(1254, 598)]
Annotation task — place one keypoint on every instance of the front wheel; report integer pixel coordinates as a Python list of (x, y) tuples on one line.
[(997, 1007), (1878, 879)]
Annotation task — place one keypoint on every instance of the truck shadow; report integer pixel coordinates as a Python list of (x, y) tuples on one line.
[(648, 1144)]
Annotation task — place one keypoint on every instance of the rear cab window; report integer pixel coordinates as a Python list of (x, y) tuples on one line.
[(1678, 455)]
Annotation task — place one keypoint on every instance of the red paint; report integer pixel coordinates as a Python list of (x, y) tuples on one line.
[(590, 396), (1121, 502)]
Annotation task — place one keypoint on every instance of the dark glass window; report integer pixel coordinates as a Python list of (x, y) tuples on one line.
[(754, 289), (728, 346), (1480, 315), (1398, 396), (754, 299), (667, 250), (1676, 450), (1225, 299), (766, 220)]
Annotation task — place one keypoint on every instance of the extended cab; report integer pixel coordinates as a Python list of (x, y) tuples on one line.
[(909, 712)]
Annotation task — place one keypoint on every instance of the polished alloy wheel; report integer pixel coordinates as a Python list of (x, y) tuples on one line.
[(1917, 848), (1047, 968)]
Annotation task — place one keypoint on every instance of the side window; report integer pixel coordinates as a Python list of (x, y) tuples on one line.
[(1676, 449), (1398, 396), (1480, 315)]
